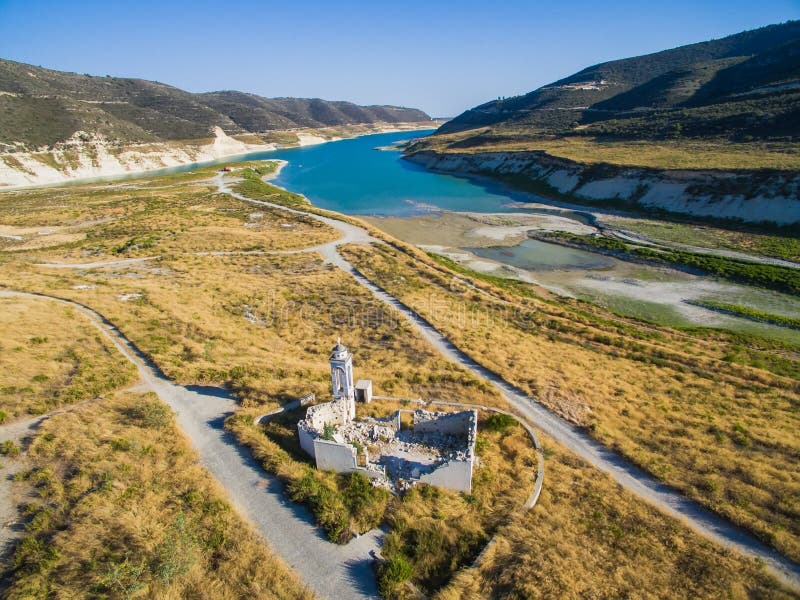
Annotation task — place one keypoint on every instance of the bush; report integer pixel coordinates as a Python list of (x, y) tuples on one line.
[(392, 573), (9, 448), (325, 503), (500, 423), (151, 413)]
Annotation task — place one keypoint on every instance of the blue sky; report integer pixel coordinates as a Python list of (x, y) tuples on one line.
[(442, 56)]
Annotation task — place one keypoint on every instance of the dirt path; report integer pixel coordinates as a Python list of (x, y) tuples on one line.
[(97, 265), (620, 469), (330, 570)]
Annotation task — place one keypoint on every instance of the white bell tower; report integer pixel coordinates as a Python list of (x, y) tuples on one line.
[(342, 378)]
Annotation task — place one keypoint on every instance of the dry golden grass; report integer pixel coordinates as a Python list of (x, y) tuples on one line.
[(264, 325), (588, 538), (124, 510), (50, 355), (143, 219), (723, 433), (665, 154)]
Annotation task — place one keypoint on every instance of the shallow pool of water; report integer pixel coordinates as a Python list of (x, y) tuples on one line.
[(534, 255)]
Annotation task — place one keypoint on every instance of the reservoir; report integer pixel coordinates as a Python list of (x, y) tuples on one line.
[(484, 226), (460, 218), (352, 177)]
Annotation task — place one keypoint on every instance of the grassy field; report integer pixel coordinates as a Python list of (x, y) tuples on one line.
[(123, 509), (749, 313), (210, 307), (51, 356), (587, 538), (662, 154), (712, 414)]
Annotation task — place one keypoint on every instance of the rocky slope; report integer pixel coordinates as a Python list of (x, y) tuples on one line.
[(751, 196), (86, 155), (712, 95)]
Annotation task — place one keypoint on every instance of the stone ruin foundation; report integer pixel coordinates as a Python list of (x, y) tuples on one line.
[(438, 448)]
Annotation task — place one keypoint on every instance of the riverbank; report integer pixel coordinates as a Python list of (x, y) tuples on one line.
[(86, 157), (750, 196), (499, 245)]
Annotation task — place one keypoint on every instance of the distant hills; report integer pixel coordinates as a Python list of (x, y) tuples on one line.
[(41, 107), (742, 87)]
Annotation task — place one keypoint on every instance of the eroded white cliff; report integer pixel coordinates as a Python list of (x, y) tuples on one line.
[(752, 196)]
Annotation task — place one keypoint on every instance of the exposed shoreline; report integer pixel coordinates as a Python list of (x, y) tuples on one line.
[(737, 195), (88, 162)]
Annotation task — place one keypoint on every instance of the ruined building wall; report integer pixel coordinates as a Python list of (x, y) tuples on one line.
[(453, 475), (460, 423), (333, 456), (307, 438), (330, 413)]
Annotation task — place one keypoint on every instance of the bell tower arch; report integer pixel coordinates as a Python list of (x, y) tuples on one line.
[(342, 383)]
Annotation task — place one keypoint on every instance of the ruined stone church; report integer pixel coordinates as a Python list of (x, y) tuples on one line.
[(438, 449)]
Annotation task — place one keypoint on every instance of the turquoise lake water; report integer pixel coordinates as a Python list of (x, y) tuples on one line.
[(351, 177)]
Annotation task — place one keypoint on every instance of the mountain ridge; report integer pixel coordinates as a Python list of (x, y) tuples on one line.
[(41, 107), (610, 98)]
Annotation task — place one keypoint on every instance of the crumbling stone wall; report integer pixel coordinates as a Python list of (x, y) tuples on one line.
[(461, 423), (329, 413), (453, 475)]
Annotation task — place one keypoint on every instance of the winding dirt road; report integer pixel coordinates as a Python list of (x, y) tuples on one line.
[(344, 572), (620, 469), (330, 570)]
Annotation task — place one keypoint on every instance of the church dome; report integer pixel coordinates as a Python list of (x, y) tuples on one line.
[(339, 350)]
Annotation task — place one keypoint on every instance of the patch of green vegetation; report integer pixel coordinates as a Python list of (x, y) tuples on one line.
[(143, 242), (742, 238), (353, 498), (9, 448), (500, 422), (253, 187), (392, 574), (151, 414), (774, 277), (746, 312)]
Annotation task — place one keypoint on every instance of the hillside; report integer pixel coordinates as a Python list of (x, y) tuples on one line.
[(42, 107), (709, 130), (741, 87)]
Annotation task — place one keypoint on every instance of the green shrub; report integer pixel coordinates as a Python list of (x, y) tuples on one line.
[(151, 413), (121, 445), (392, 573), (9, 448), (176, 554), (500, 423), (326, 504)]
